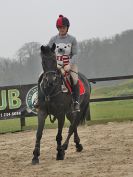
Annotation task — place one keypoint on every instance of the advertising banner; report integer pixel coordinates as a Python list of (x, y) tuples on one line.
[(17, 100)]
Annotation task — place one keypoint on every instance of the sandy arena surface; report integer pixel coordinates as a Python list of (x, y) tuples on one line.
[(108, 152)]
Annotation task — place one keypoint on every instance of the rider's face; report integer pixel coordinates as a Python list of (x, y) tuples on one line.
[(63, 30)]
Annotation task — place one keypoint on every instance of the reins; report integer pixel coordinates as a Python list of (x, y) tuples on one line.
[(70, 69), (48, 96)]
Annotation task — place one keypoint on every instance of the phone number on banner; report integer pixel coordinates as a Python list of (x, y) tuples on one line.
[(9, 114)]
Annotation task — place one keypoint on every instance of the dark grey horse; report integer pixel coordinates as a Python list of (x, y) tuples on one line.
[(52, 101)]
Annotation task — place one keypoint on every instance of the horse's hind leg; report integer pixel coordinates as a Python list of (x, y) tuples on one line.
[(79, 146), (73, 126), (41, 121), (60, 151)]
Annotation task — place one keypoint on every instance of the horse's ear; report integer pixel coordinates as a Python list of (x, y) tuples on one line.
[(53, 47), (42, 48)]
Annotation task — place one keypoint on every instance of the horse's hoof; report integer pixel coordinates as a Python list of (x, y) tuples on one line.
[(60, 155), (35, 161), (64, 146), (79, 147)]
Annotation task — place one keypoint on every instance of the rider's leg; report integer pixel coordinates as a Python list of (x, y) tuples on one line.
[(63, 86), (75, 87)]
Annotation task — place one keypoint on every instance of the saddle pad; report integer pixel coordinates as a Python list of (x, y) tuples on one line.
[(81, 86)]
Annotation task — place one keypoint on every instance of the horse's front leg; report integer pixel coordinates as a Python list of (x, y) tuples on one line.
[(60, 151), (41, 121)]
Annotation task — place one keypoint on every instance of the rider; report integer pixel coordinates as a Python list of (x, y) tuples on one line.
[(66, 54)]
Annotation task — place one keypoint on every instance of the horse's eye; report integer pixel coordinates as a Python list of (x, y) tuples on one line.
[(46, 78)]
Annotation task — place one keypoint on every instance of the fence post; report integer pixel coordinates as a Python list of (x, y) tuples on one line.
[(22, 121)]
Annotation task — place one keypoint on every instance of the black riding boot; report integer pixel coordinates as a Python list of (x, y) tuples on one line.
[(76, 96)]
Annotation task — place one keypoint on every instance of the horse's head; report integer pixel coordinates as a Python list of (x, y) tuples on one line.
[(49, 64)]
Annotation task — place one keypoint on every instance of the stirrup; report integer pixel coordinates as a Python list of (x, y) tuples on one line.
[(76, 106)]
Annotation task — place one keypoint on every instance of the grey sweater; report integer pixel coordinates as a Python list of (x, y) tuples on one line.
[(65, 46)]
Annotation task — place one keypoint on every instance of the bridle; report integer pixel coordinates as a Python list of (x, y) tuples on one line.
[(48, 89), (49, 72)]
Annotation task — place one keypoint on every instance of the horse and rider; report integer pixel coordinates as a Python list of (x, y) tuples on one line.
[(66, 54), (59, 64)]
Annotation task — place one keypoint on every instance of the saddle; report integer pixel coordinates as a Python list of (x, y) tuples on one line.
[(67, 85)]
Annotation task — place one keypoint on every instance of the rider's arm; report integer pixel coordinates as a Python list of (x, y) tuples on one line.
[(74, 51)]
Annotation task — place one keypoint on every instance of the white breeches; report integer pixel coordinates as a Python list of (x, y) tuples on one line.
[(74, 73)]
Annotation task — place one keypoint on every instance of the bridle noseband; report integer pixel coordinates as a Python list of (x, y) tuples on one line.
[(45, 74)]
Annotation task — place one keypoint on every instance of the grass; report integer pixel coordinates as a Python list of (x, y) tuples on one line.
[(100, 112), (121, 89), (10, 125), (13, 125), (112, 110)]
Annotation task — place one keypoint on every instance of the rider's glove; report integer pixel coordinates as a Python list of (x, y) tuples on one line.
[(59, 64), (67, 68)]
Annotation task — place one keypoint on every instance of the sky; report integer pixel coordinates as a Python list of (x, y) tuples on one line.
[(23, 21)]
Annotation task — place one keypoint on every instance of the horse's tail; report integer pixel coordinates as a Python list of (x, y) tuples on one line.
[(85, 103), (84, 113), (88, 114)]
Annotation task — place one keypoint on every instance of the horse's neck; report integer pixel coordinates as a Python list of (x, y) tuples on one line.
[(40, 77)]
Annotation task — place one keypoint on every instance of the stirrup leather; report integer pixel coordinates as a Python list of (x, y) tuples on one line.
[(64, 89)]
